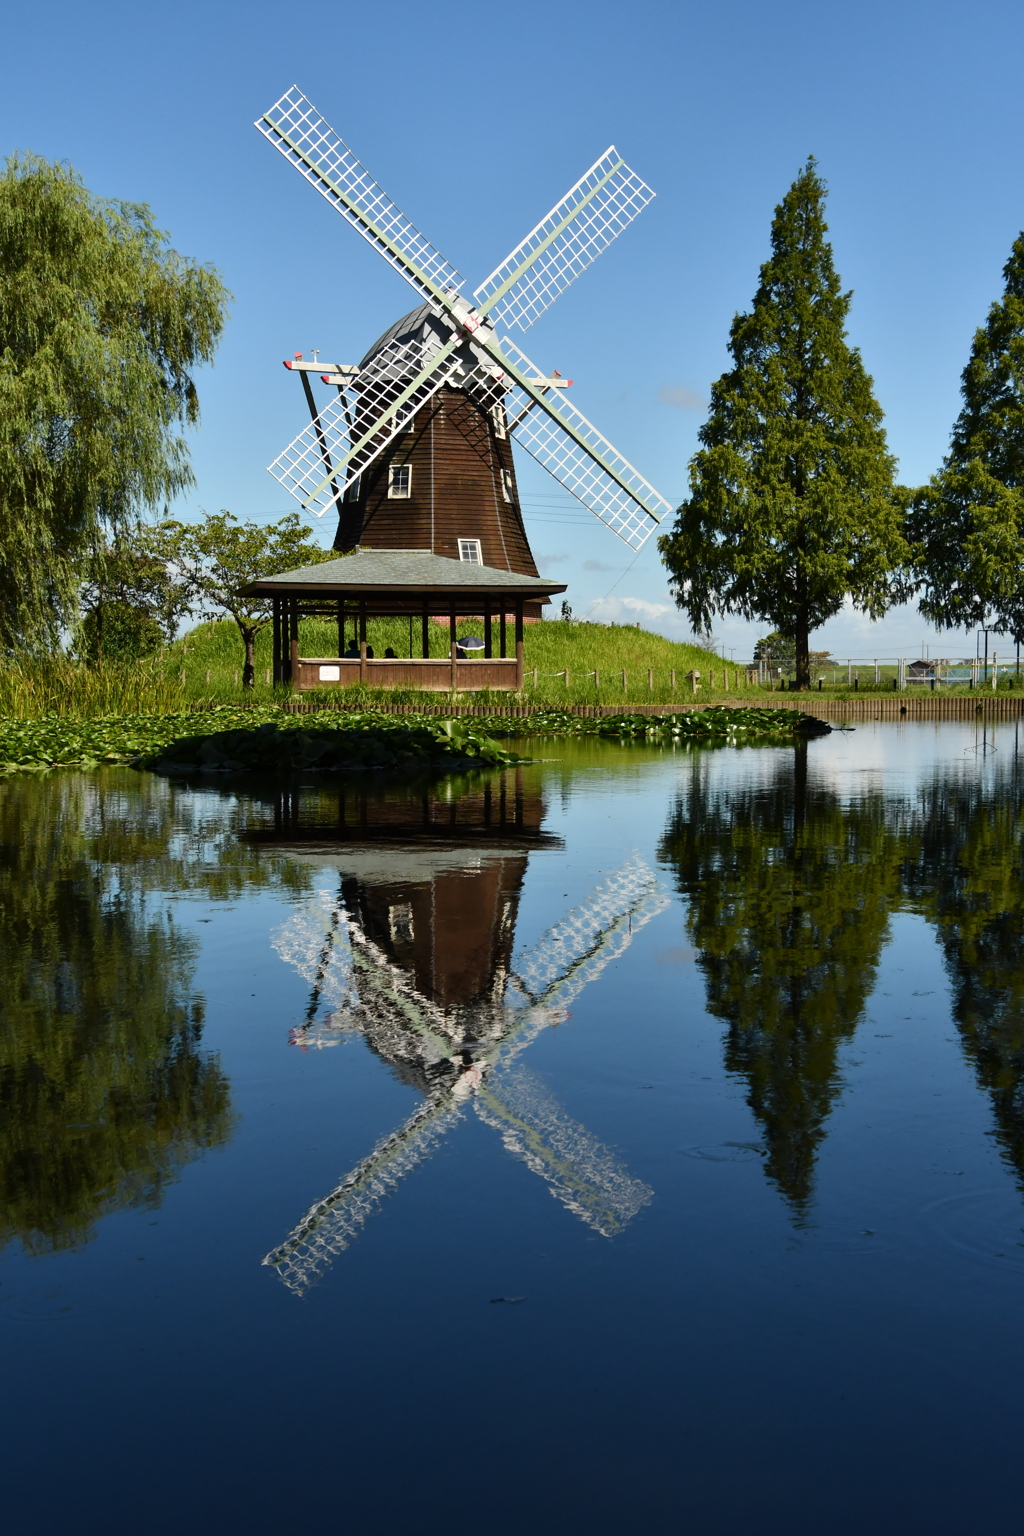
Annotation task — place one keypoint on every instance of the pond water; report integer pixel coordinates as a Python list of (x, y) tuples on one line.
[(634, 1140)]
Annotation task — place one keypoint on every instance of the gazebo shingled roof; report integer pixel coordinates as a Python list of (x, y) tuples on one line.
[(412, 570)]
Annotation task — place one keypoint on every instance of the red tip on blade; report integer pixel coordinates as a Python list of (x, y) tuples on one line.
[(297, 356), (569, 382), (326, 378), (287, 363)]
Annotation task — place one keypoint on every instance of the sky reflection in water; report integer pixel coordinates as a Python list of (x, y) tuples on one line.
[(755, 1020)]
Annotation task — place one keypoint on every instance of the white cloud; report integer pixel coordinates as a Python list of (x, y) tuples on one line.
[(552, 559), (619, 610), (681, 397), (597, 565)]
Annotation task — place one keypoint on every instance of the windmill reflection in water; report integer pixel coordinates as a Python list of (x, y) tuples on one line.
[(415, 951)]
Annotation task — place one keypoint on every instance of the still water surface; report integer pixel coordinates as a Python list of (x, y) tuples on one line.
[(631, 1141)]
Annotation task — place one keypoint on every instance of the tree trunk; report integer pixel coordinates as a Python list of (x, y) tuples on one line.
[(249, 670), (801, 642)]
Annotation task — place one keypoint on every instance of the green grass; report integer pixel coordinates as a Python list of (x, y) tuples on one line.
[(203, 670), (551, 647)]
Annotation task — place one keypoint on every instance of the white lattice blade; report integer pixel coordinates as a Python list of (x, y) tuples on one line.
[(330, 1225), (585, 1176), (356, 427), (295, 127), (565, 242), (571, 448)]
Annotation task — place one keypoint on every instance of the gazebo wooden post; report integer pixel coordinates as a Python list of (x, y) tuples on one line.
[(452, 633), (488, 651), (341, 626), (276, 609), (501, 628), (362, 639), (519, 645), (293, 641), (426, 628)]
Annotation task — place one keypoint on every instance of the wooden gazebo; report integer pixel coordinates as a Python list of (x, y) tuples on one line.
[(403, 583)]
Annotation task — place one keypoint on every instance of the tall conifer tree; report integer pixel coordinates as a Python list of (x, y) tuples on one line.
[(968, 523), (793, 505)]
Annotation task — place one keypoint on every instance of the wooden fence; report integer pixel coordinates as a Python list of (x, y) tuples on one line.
[(899, 707)]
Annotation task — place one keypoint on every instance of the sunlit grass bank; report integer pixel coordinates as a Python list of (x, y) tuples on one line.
[(594, 655), (566, 663)]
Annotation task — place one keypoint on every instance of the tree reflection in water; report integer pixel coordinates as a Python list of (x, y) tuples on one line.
[(790, 886), (964, 872), (104, 1090), (789, 894)]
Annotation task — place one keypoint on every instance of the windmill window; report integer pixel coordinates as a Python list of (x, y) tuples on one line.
[(506, 484), (498, 417), (352, 493), (399, 481), (400, 922), (469, 549)]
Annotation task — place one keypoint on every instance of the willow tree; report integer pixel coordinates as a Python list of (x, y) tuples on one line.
[(793, 506), (968, 523), (102, 325)]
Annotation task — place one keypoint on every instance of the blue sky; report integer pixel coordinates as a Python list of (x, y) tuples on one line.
[(475, 120)]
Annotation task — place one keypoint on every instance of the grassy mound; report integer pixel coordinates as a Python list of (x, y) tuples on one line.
[(594, 655), (334, 744)]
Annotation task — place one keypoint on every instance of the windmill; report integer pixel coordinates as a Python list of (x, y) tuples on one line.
[(415, 449), (458, 1046)]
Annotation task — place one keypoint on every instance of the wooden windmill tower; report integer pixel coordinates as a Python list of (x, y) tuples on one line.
[(414, 449)]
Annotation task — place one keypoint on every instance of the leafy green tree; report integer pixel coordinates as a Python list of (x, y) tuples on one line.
[(782, 651), (793, 506), (219, 556), (968, 523), (119, 631), (775, 647), (102, 325), (133, 601)]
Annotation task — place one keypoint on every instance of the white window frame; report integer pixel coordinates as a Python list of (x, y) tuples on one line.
[(400, 922), (498, 417), (394, 470), (476, 557), (506, 485)]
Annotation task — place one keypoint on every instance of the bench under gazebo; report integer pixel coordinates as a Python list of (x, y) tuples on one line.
[(424, 588)]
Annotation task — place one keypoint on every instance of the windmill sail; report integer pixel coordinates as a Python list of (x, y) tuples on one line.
[(359, 424), (295, 127), (328, 456), (565, 242), (571, 449), (330, 1225), (580, 1172)]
